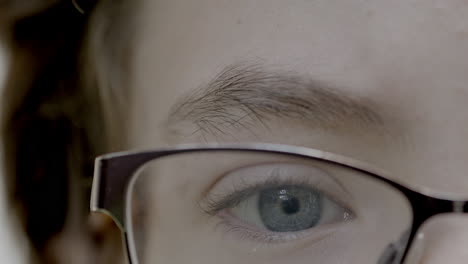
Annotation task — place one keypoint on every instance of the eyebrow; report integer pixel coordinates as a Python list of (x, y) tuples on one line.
[(242, 96)]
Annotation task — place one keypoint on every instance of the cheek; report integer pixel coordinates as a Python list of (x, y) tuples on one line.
[(442, 239)]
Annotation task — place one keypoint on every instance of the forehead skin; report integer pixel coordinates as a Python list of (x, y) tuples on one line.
[(409, 57)]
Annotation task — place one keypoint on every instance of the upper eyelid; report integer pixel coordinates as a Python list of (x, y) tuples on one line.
[(239, 193), (212, 204)]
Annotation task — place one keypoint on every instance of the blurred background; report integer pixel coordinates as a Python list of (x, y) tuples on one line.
[(52, 127), (13, 246)]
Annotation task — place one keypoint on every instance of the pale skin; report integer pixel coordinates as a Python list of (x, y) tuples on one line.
[(406, 57)]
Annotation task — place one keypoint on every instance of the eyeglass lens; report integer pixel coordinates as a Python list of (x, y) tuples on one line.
[(259, 207)]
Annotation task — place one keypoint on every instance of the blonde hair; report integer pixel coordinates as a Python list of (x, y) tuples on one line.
[(109, 55), (63, 104)]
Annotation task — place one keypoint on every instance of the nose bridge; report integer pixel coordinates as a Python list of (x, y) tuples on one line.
[(442, 238)]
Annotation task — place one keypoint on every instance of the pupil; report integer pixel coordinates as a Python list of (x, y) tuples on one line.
[(290, 208), (290, 205)]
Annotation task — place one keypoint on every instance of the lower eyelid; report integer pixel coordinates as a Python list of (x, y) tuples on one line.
[(229, 224)]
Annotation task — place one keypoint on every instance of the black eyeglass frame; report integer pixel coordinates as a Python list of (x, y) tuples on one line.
[(116, 173)]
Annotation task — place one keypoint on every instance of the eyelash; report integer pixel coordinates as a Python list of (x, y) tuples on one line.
[(217, 205), (246, 232), (239, 192)]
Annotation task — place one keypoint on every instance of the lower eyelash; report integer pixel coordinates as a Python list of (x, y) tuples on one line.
[(246, 232), (230, 225)]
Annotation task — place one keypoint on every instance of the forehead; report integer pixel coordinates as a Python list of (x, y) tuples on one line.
[(409, 57), (371, 47)]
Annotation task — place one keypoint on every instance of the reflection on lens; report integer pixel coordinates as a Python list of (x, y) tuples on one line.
[(217, 206)]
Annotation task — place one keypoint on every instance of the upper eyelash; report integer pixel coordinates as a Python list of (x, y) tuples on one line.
[(214, 204)]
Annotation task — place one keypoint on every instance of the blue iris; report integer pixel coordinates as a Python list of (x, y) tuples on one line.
[(290, 208)]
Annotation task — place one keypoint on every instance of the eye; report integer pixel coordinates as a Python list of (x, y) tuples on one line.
[(279, 202), (289, 208)]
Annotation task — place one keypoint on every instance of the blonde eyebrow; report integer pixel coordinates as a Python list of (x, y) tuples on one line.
[(244, 95)]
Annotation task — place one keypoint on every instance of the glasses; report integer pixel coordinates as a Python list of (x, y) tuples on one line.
[(252, 203)]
